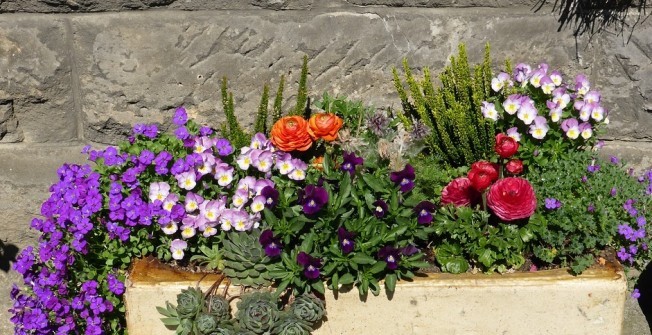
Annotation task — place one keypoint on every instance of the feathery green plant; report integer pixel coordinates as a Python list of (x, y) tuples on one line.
[(234, 132), (460, 134), (302, 94)]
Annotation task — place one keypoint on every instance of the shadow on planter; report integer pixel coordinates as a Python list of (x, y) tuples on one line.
[(8, 253), (593, 16), (644, 286)]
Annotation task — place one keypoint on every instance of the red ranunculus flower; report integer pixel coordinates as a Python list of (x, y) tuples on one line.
[(515, 166), (482, 174), (505, 146), (459, 192), (512, 198)]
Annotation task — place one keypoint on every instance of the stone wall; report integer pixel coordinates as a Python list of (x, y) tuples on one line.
[(84, 71)]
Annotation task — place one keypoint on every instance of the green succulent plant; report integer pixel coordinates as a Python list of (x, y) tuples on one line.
[(309, 308), (218, 307), (190, 303), (290, 324), (206, 323), (245, 262), (185, 327), (257, 312)]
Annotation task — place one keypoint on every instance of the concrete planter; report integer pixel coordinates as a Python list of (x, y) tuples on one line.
[(544, 302)]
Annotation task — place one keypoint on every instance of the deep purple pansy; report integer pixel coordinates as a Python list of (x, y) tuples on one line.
[(404, 178), (310, 265)]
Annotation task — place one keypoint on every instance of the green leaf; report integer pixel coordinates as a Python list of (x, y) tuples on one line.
[(486, 257), (377, 268), (347, 279), (318, 286), (360, 258), (374, 183), (390, 282)]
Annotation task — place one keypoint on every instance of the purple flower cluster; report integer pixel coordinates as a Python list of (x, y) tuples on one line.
[(51, 303), (575, 99), (552, 203), (634, 236)]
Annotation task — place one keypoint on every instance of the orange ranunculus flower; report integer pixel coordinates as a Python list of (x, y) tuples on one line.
[(291, 133), (324, 125), (318, 163)]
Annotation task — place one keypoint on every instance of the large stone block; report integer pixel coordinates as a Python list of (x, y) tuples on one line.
[(138, 67), (36, 100)]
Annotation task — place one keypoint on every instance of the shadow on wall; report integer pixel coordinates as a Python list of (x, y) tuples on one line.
[(644, 286), (593, 16), (8, 253)]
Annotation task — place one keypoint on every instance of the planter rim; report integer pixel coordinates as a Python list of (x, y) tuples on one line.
[(151, 272)]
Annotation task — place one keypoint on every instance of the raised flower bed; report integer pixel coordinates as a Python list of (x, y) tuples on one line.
[(436, 303), (488, 184)]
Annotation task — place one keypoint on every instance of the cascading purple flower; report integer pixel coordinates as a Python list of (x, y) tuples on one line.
[(180, 116), (310, 265), (346, 240), (224, 147), (404, 178), (313, 198), (390, 255), (424, 212), (270, 243), (350, 162)]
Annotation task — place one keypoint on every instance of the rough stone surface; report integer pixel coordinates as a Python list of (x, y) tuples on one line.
[(127, 78), (35, 85), (26, 173)]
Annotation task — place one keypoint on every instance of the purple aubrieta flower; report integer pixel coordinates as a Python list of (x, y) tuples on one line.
[(150, 131), (115, 285), (613, 192), (593, 168), (390, 255), (380, 208), (552, 203), (180, 116), (641, 221), (270, 243), (310, 265), (205, 131), (350, 162), (614, 160), (636, 294), (312, 198), (182, 133), (404, 178), (346, 240), (424, 212)]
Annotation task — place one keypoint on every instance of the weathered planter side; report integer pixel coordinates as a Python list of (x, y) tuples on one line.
[(544, 302)]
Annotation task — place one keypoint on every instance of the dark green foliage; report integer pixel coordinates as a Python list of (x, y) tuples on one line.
[(467, 238), (591, 209), (302, 93), (261, 117), (278, 100), (460, 135), (232, 129)]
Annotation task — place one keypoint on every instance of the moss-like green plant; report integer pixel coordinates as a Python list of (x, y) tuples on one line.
[(460, 134)]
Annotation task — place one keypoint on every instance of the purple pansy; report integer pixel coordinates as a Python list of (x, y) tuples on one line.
[(424, 212), (313, 198), (404, 178), (270, 243), (310, 265), (380, 208), (350, 162), (346, 240), (390, 255)]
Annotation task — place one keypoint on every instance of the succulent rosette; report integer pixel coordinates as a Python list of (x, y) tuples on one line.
[(308, 308), (206, 323), (258, 312), (289, 324), (218, 307), (190, 302)]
